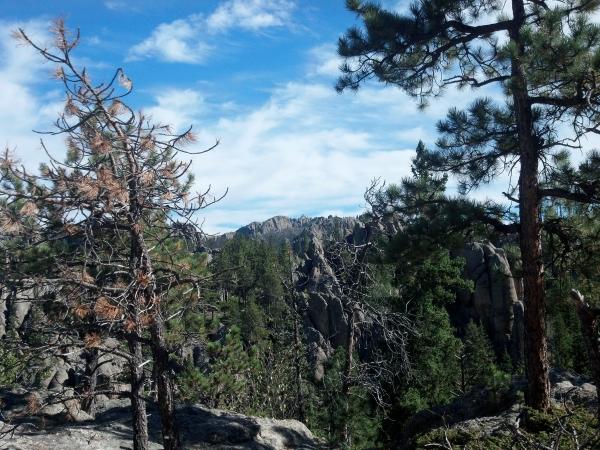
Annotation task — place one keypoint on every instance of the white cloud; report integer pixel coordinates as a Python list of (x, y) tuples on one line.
[(307, 150), (120, 5), (21, 110), (115, 5), (324, 61), (415, 134), (399, 6), (250, 14), (94, 40), (184, 40), (178, 41), (177, 108)]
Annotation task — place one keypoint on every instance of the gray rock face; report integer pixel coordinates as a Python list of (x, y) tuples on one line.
[(494, 302), (325, 323), (14, 309), (317, 315), (66, 427), (327, 317)]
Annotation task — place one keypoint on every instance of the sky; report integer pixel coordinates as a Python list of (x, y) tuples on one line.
[(257, 75)]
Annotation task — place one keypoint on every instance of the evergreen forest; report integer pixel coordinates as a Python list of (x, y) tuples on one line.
[(435, 318)]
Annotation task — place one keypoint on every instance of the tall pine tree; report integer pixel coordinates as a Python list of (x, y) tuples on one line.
[(544, 57)]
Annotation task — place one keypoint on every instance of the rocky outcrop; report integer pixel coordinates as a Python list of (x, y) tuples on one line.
[(325, 321), (64, 426), (280, 229), (494, 301), (494, 413), (22, 315), (14, 309)]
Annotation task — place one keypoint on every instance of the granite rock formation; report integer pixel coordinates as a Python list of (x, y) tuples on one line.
[(64, 426), (494, 302)]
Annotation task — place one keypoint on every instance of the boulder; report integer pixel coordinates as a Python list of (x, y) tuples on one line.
[(60, 377), (65, 426), (588, 387), (317, 358)]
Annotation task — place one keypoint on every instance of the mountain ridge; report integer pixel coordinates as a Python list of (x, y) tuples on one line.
[(280, 228)]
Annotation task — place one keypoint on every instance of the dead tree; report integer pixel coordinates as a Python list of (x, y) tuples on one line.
[(296, 311), (351, 262), (110, 209)]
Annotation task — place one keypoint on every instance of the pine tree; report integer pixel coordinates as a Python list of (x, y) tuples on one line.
[(261, 303), (478, 364), (110, 207), (225, 382), (426, 291), (544, 57)]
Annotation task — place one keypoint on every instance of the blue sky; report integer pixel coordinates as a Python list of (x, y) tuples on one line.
[(256, 74)]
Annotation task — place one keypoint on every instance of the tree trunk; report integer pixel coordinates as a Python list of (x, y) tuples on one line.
[(590, 324), (164, 386), (138, 404), (536, 364), (347, 383), (141, 268), (301, 415), (91, 374)]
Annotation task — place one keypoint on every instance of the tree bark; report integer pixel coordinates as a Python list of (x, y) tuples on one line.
[(536, 364), (138, 404), (164, 387), (140, 265)]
